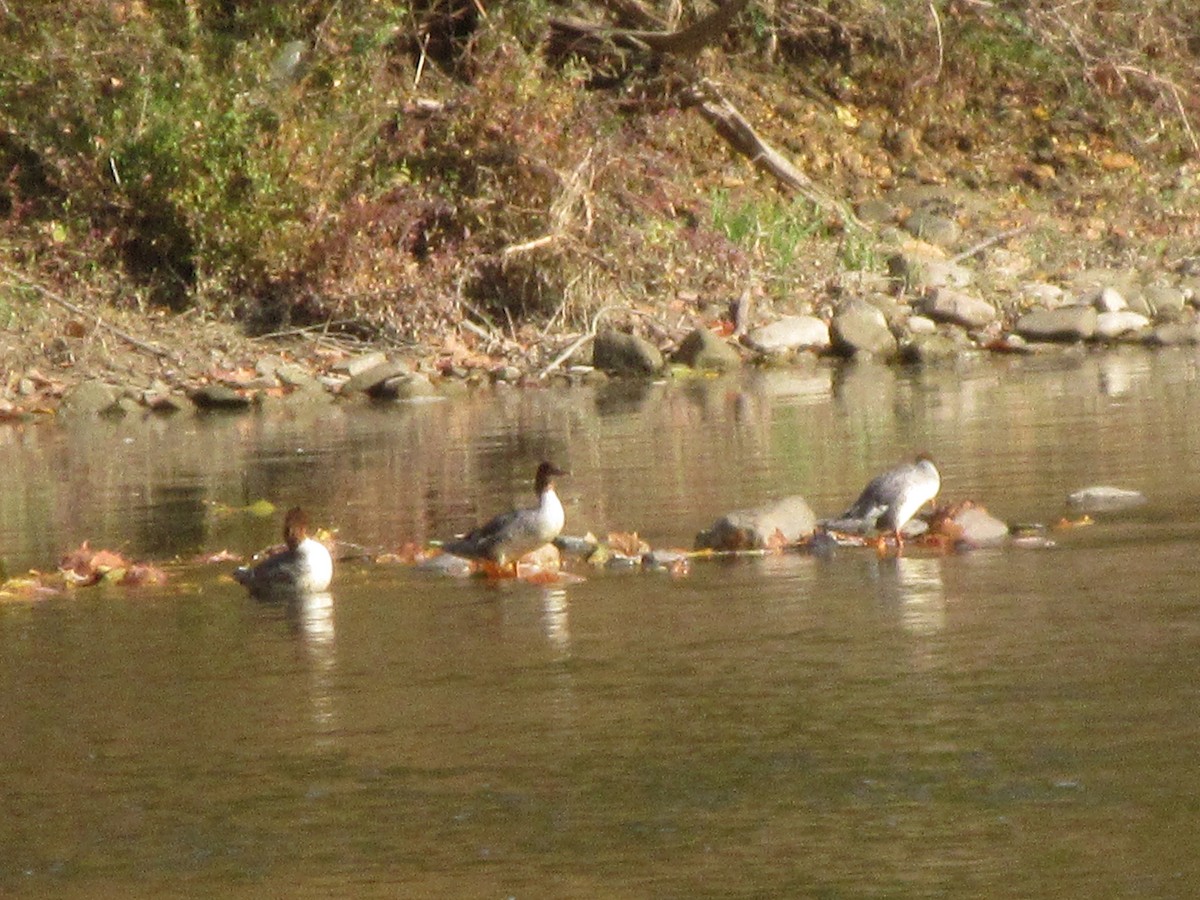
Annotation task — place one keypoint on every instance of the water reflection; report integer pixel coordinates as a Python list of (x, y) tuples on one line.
[(911, 586), (555, 620), (311, 619)]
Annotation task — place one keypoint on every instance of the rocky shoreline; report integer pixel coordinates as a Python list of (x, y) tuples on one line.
[(925, 304)]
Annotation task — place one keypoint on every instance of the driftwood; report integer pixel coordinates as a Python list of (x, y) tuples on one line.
[(609, 51), (731, 125)]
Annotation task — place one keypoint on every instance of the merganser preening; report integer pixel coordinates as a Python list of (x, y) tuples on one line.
[(305, 567), (509, 536), (891, 499)]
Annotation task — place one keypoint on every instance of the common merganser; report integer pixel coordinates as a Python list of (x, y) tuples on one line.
[(509, 536), (891, 499), (305, 567)]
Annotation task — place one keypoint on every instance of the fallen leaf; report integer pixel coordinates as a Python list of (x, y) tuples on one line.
[(627, 543), (1065, 523)]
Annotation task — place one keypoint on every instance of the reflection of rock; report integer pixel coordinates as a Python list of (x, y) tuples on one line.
[(967, 524), (789, 519), (219, 396), (1103, 498)]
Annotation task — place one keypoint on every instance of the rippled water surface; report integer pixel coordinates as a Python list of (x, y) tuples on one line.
[(1005, 723)]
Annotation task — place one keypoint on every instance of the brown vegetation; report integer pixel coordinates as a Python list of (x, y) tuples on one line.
[(409, 172)]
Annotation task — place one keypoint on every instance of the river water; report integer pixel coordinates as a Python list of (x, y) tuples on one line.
[(1004, 723)]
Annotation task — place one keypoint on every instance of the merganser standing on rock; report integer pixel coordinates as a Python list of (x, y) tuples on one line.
[(509, 536), (305, 567), (891, 499)]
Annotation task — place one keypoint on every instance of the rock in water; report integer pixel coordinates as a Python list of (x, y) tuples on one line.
[(702, 349), (1104, 498), (625, 354), (789, 519), (858, 327)]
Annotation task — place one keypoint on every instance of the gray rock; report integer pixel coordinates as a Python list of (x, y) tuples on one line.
[(160, 398), (933, 228), (790, 518), (1042, 293), (89, 398), (308, 395), (625, 354), (920, 325), (1164, 302), (1174, 334), (361, 363), (446, 564), (858, 327), (1110, 300), (266, 366), (368, 380), (295, 375), (920, 270), (219, 396), (1064, 324), (974, 526), (924, 349), (410, 386), (957, 308), (702, 349), (789, 333), (1105, 498), (1112, 324)]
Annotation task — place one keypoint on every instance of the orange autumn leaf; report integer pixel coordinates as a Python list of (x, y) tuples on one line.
[(1081, 522)]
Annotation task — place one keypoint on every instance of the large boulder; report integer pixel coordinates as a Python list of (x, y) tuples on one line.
[(625, 354), (967, 525), (702, 349), (1064, 324), (783, 521), (89, 398), (368, 381), (858, 327), (958, 308), (787, 334)]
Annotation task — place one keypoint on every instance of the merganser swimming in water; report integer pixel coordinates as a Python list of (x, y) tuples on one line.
[(509, 536), (305, 567), (891, 499)]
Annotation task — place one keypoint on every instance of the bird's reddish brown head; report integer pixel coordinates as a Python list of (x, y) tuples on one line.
[(295, 527)]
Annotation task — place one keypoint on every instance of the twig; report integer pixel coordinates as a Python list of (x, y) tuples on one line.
[(988, 242), (307, 329), (83, 313), (542, 241), (575, 344)]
